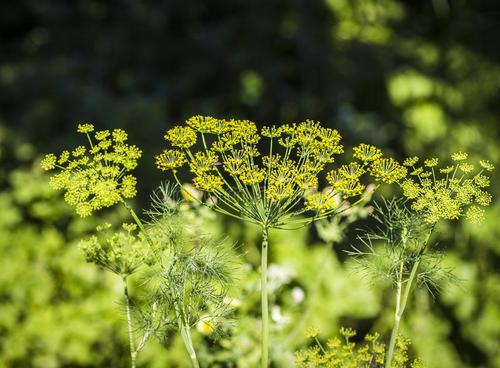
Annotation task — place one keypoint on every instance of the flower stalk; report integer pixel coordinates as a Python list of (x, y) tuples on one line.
[(188, 343), (133, 351), (402, 296), (264, 298)]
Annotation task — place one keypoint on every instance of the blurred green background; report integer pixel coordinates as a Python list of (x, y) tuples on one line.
[(415, 77)]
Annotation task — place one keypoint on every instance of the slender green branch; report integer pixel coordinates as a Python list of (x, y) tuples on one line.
[(397, 319), (401, 302), (264, 299), (138, 222), (188, 343), (186, 335), (133, 352)]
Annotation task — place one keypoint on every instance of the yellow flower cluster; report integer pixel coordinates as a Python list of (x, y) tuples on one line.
[(95, 177), (387, 170), (321, 202), (449, 192), (342, 352), (266, 187), (183, 137), (169, 160), (346, 180)]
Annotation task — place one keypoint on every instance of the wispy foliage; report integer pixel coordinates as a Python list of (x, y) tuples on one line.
[(400, 239), (189, 281), (185, 277)]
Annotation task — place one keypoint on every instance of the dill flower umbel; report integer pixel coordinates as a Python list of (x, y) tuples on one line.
[(449, 192), (267, 188), (95, 176), (278, 187)]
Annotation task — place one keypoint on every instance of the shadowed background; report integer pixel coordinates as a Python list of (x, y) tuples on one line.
[(415, 77)]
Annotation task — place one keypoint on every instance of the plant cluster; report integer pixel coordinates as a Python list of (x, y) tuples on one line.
[(406, 224), (449, 192), (274, 188), (186, 277)]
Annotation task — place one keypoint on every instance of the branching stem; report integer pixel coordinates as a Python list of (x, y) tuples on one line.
[(188, 343)]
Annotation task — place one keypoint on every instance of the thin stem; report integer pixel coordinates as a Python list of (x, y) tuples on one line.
[(185, 334), (133, 352), (138, 222), (395, 328), (320, 345), (401, 302), (188, 343), (264, 299)]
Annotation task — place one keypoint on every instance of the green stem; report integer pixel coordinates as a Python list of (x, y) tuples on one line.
[(264, 299), (138, 222), (188, 342), (133, 352), (400, 308), (395, 328), (401, 302)]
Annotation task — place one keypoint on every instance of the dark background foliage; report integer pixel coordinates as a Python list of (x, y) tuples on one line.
[(416, 77)]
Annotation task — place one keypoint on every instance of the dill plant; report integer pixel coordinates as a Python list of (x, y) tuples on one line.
[(185, 277), (95, 177), (276, 189), (188, 282), (408, 258)]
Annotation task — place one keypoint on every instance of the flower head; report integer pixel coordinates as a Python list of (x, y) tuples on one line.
[(447, 193), (488, 166), (170, 160), (48, 162), (85, 128), (432, 162), (275, 187), (95, 177), (367, 153), (183, 137), (208, 183), (122, 252), (459, 156), (410, 161), (387, 170)]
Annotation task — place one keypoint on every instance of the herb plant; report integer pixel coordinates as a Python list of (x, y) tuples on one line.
[(185, 277), (407, 257), (273, 189)]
